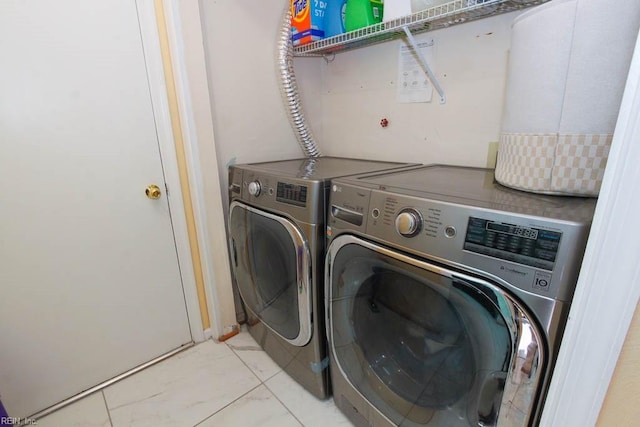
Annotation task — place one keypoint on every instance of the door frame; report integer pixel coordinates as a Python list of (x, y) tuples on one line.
[(607, 293), (167, 147)]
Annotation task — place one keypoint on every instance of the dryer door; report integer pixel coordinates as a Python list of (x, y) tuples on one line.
[(271, 264), (425, 345)]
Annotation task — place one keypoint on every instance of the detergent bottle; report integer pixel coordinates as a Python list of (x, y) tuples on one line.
[(362, 13)]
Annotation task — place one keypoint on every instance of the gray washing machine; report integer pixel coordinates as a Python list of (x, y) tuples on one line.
[(276, 238), (447, 295)]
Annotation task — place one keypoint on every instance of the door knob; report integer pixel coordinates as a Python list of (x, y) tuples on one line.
[(153, 192)]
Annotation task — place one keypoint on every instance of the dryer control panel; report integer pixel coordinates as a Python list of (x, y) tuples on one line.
[(292, 197)]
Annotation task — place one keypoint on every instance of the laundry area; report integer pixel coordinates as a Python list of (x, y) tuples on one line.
[(337, 212)]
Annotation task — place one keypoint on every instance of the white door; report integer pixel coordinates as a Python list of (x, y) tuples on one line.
[(89, 279)]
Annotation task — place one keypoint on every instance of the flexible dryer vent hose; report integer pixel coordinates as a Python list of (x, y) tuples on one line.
[(289, 89)]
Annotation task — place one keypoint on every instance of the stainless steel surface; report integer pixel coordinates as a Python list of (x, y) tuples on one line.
[(525, 336), (314, 174), (446, 197), (476, 187), (347, 215), (323, 168), (296, 191), (289, 88), (303, 263), (451, 201)]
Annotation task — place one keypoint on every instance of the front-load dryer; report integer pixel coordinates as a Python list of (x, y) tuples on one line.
[(277, 243), (447, 295)]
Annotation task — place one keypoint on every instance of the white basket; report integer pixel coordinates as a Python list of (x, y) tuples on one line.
[(562, 164), (567, 70)]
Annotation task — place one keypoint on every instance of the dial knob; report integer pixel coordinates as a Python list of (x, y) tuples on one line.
[(254, 188), (408, 222)]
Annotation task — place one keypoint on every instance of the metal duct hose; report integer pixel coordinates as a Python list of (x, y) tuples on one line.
[(289, 89)]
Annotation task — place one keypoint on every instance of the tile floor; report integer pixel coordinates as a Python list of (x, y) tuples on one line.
[(211, 384)]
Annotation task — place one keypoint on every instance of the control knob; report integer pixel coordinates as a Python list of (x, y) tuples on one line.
[(408, 222), (254, 188)]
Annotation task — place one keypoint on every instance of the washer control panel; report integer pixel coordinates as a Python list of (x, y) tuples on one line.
[(513, 242), (533, 253)]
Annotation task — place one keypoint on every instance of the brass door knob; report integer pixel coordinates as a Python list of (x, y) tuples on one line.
[(153, 192)]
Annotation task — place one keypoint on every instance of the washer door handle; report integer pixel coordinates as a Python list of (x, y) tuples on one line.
[(490, 398), (300, 269), (235, 252)]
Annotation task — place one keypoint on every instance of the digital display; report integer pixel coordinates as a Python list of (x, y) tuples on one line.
[(527, 233), (292, 194), (524, 245)]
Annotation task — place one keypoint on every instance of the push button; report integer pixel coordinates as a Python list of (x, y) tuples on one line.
[(450, 231)]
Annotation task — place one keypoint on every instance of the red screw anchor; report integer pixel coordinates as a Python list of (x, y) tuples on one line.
[(384, 122)]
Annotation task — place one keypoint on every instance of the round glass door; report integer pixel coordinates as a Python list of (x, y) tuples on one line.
[(422, 347), (271, 265)]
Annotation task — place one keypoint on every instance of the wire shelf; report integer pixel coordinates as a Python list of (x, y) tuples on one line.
[(441, 16)]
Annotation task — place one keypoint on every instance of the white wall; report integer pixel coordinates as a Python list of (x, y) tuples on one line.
[(250, 122), (345, 99), (360, 86), (249, 118)]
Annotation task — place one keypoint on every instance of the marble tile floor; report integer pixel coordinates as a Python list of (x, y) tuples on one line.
[(233, 383)]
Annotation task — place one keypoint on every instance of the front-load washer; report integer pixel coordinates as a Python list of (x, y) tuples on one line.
[(276, 241), (447, 295)]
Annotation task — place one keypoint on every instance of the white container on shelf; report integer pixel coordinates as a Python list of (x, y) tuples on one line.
[(418, 5), (566, 74), (394, 9)]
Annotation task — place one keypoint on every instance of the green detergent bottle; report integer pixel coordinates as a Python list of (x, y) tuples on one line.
[(362, 13)]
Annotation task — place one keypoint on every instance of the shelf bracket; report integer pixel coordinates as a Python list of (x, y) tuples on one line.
[(329, 57), (423, 61)]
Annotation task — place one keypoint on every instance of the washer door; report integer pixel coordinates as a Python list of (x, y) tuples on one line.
[(271, 264), (422, 344)]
